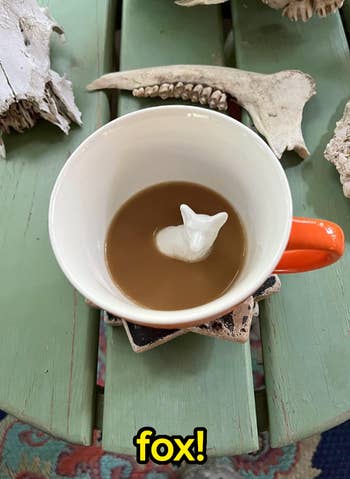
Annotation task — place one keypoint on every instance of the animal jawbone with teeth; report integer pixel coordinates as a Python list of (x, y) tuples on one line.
[(275, 102)]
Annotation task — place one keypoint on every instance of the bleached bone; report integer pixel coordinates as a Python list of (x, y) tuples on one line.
[(298, 10), (193, 240), (275, 102), (338, 150), (326, 7), (29, 89), (305, 9), (293, 9)]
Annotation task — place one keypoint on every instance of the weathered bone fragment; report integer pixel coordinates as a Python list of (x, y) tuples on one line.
[(338, 150), (29, 89), (275, 101), (293, 9)]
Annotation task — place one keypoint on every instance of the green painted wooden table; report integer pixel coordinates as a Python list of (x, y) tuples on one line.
[(49, 337)]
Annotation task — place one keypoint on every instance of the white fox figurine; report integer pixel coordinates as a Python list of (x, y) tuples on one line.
[(193, 240)]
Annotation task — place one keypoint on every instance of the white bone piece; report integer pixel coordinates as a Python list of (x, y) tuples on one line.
[(293, 9), (338, 150), (193, 240), (275, 101), (29, 89), (326, 7), (298, 10)]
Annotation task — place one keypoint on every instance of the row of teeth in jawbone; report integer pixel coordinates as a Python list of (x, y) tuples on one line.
[(205, 95)]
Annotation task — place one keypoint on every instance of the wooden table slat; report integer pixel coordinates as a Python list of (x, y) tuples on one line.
[(305, 328), (192, 381), (48, 340)]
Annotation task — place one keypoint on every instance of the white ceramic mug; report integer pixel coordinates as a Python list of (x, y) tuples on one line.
[(168, 143)]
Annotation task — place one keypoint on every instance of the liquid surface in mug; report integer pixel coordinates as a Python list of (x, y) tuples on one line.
[(159, 282)]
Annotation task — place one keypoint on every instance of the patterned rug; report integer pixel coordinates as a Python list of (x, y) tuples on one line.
[(27, 453)]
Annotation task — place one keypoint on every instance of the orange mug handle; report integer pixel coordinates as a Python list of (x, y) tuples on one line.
[(312, 244)]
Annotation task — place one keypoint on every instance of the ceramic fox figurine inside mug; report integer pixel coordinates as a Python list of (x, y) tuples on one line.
[(184, 145), (194, 239)]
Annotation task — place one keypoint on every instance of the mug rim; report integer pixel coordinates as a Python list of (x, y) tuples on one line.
[(180, 318)]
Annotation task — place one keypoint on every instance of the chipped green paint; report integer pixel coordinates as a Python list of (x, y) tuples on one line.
[(48, 338), (192, 381), (306, 328)]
